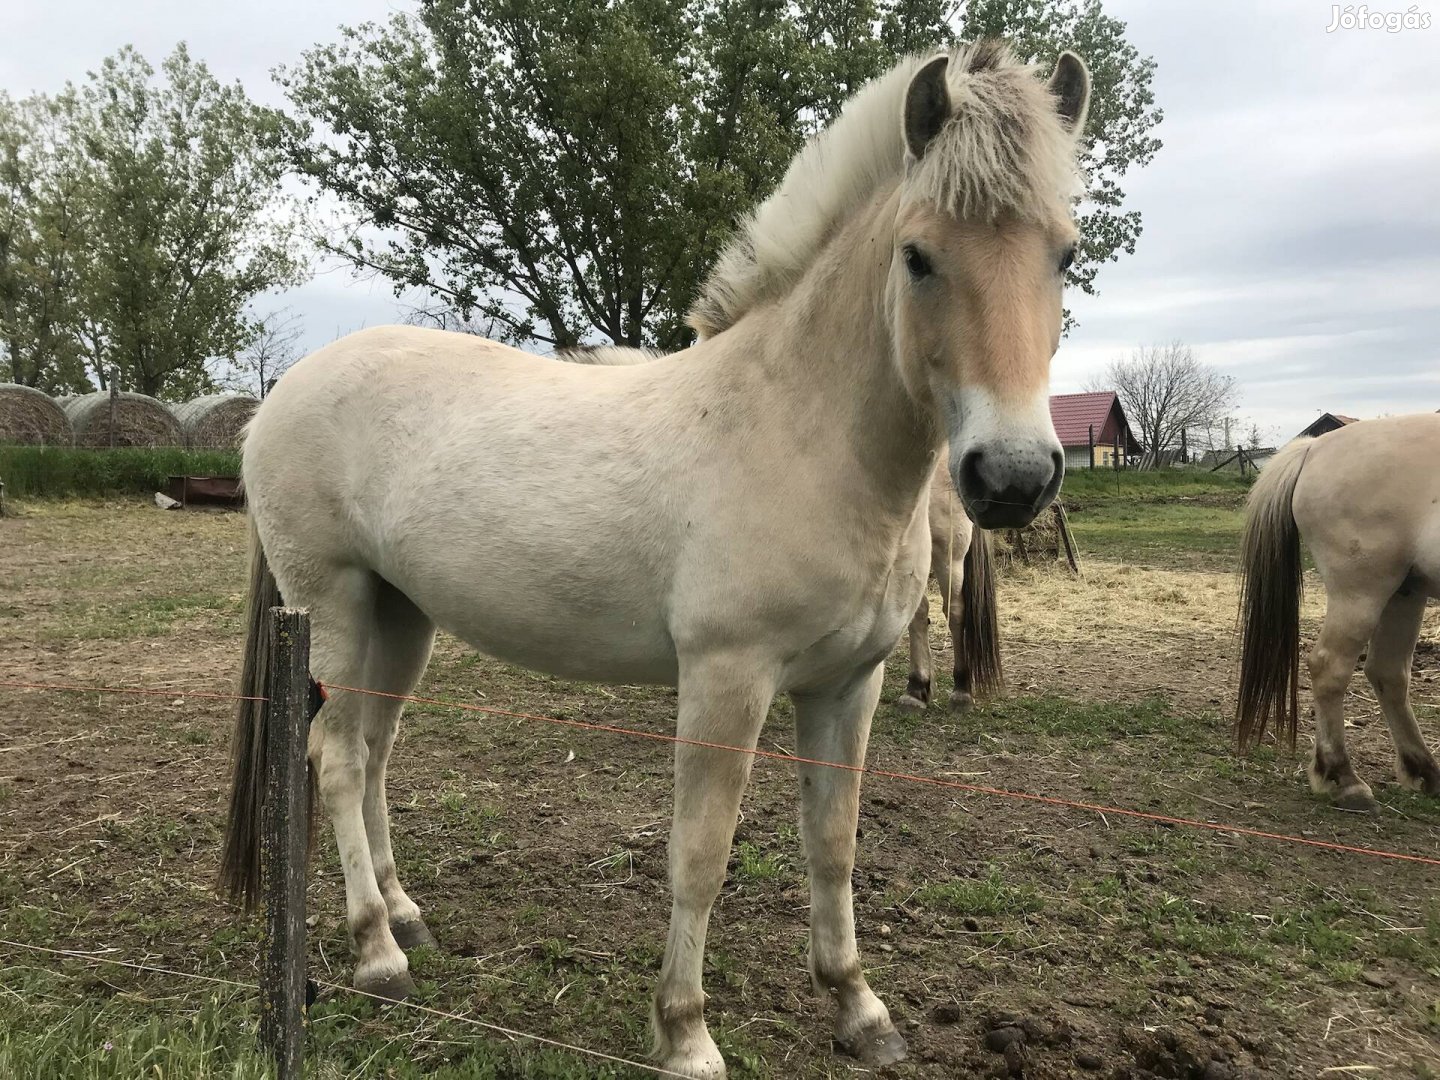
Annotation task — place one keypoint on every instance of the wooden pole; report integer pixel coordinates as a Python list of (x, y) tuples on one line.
[(1062, 525), (285, 822), (114, 401), (1092, 446)]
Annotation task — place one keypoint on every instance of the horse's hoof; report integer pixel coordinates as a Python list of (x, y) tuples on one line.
[(1356, 800), (393, 988), (703, 1065), (881, 1047), (960, 700), (1422, 776), (413, 935), (910, 704)]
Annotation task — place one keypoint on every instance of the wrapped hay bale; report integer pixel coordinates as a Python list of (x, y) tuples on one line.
[(140, 420), (30, 418), (215, 421)]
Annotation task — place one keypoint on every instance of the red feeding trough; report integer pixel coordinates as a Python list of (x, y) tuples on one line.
[(222, 491)]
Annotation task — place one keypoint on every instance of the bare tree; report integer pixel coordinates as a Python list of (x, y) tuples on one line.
[(443, 316), (1167, 393), (272, 350)]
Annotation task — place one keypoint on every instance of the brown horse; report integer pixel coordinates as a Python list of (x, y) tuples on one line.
[(960, 563), (1366, 501)]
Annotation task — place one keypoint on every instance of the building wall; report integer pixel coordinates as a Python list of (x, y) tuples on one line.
[(1078, 457)]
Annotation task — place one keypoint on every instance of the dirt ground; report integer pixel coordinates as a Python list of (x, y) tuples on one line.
[(1008, 938)]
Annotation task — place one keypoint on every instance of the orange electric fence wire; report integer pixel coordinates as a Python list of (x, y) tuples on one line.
[(886, 774)]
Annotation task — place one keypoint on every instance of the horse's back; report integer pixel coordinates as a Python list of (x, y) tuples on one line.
[(1369, 495), (453, 468)]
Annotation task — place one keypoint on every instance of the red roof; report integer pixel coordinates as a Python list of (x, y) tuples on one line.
[(1072, 415)]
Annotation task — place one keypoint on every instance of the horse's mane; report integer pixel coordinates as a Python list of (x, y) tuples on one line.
[(1004, 150), (608, 355)]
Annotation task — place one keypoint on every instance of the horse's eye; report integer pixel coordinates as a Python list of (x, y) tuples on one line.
[(1068, 259), (916, 263)]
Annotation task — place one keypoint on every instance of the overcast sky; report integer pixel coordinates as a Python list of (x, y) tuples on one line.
[(1292, 235)]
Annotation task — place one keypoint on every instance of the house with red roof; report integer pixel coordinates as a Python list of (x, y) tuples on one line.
[(1083, 421)]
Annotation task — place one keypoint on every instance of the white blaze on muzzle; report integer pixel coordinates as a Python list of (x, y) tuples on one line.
[(1005, 460)]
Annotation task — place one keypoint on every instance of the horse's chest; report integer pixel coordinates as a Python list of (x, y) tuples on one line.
[(867, 631)]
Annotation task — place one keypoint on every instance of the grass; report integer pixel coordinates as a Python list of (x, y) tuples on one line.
[(1157, 518), (1095, 487), (539, 854), (985, 897), (34, 472), (1149, 534)]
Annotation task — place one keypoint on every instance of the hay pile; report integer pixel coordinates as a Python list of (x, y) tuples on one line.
[(1046, 539), (215, 421), (139, 421), (30, 418)]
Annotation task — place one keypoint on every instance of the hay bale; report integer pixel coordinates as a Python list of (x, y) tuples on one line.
[(139, 421), (215, 421), (30, 418), (1046, 539)]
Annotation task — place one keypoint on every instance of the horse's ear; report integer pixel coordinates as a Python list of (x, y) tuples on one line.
[(1071, 86), (927, 105)]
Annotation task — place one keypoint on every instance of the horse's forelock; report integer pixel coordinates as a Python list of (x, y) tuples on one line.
[(1004, 150)]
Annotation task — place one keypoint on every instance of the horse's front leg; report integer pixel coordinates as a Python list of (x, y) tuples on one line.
[(721, 701), (834, 726)]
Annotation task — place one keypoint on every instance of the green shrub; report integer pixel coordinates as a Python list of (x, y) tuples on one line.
[(35, 472)]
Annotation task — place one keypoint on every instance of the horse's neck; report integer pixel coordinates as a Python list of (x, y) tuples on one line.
[(835, 340)]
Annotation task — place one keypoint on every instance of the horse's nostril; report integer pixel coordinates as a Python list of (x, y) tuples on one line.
[(970, 482)]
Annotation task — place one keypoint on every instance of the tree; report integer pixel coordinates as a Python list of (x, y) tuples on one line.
[(1167, 393), (184, 221), (42, 194), (570, 168), (274, 346)]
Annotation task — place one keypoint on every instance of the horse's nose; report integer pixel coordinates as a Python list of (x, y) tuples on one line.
[(1007, 490)]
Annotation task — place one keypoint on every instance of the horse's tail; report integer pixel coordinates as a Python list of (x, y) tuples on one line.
[(1271, 582), (978, 649), (240, 860)]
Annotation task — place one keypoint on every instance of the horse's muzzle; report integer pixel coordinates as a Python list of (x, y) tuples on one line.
[(1008, 494)]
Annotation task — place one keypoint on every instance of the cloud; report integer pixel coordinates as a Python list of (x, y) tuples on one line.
[(1291, 227), (1292, 234)]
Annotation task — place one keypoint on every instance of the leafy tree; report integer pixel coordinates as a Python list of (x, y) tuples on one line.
[(182, 224), (567, 168), (1119, 131), (42, 206)]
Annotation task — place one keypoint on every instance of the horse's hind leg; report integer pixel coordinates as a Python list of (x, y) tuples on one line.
[(1392, 649), (343, 617), (950, 577), (399, 650), (835, 726), (917, 689), (1349, 621)]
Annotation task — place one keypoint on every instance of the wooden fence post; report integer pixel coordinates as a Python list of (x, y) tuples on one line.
[(114, 401), (285, 823)]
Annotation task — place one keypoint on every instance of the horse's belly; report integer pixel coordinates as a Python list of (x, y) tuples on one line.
[(522, 620)]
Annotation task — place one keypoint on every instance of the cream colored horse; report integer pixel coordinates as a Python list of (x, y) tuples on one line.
[(744, 520), (961, 564), (1365, 499)]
